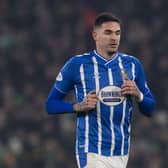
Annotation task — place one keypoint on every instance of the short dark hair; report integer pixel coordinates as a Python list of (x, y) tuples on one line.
[(105, 17)]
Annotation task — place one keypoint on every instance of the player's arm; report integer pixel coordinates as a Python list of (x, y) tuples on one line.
[(139, 90), (65, 82), (147, 104), (55, 103), (147, 101), (144, 98)]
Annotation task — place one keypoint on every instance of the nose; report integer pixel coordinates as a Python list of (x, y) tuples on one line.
[(114, 37)]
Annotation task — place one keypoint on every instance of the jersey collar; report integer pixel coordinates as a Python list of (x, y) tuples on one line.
[(104, 60)]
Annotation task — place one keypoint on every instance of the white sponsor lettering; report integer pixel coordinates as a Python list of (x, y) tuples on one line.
[(111, 95)]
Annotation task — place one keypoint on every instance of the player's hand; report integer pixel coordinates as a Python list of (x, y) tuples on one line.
[(129, 87), (87, 104)]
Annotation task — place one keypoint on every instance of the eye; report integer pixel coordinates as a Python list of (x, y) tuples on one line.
[(107, 32), (118, 33)]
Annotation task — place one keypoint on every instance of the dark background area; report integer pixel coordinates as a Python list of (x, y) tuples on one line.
[(36, 38)]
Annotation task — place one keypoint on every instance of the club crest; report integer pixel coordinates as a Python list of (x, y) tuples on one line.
[(59, 77)]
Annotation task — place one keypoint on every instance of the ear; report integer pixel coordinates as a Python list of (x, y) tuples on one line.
[(94, 35)]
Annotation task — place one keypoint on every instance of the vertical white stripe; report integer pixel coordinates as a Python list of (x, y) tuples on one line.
[(123, 112), (78, 162), (111, 115), (76, 93), (121, 67), (129, 139), (96, 73), (129, 130), (122, 127), (133, 71), (82, 74)]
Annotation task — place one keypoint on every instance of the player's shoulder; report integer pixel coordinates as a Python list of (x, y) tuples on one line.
[(75, 61), (129, 57), (80, 57)]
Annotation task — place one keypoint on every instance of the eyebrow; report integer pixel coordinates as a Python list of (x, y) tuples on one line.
[(110, 31)]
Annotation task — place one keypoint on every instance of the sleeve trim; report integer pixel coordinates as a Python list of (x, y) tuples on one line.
[(60, 90)]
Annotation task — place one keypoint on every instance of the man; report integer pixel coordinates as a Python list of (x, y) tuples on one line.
[(105, 83)]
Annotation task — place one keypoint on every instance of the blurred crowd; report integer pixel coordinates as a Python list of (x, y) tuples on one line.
[(36, 38)]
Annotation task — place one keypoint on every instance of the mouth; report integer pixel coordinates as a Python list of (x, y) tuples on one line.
[(113, 45)]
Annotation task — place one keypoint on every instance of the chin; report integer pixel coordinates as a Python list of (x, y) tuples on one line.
[(113, 49), (111, 52)]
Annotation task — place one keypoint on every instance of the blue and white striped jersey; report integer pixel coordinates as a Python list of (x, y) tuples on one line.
[(106, 129)]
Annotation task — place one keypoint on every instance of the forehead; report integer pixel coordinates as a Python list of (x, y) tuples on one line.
[(111, 26)]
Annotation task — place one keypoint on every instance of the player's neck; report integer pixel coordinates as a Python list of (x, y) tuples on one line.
[(106, 55)]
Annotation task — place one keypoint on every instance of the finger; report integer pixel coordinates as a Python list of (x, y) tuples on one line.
[(91, 105), (92, 97), (92, 92), (126, 90), (127, 83), (128, 86), (92, 101)]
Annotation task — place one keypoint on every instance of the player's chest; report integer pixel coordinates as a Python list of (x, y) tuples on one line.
[(99, 75)]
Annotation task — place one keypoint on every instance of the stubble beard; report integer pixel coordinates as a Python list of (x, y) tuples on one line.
[(111, 53)]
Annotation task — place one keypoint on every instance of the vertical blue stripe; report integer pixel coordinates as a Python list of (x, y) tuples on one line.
[(82, 160), (126, 126), (117, 129), (106, 133)]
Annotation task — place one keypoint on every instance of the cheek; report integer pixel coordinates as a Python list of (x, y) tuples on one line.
[(103, 39), (118, 38)]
